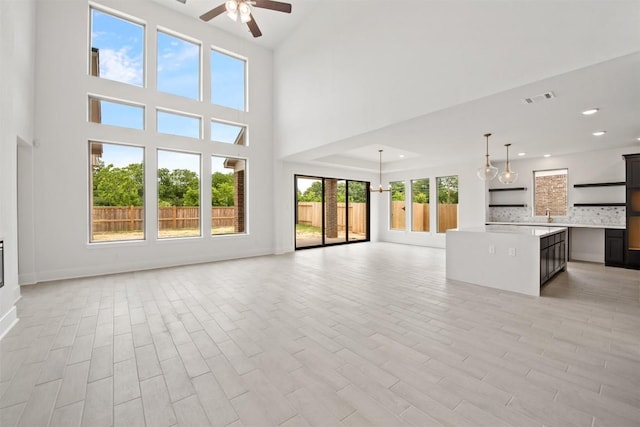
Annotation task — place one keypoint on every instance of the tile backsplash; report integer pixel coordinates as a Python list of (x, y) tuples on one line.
[(597, 215)]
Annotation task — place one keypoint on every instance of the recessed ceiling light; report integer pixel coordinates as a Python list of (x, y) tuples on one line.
[(401, 156), (522, 154), (591, 111), (599, 133), (547, 155), (638, 139)]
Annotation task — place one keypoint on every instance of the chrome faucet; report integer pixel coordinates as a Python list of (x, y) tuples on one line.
[(548, 214)]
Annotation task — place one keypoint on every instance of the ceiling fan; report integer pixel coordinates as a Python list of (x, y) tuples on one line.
[(242, 8)]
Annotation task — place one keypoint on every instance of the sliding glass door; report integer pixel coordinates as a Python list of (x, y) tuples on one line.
[(330, 211)]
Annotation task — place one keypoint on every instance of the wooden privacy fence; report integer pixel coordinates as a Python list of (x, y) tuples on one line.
[(447, 216), (310, 213), (114, 219)]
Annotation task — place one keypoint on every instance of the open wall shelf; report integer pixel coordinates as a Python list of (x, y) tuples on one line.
[(507, 206), (600, 184), (597, 204), (508, 189)]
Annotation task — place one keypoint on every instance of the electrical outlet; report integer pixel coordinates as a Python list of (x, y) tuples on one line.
[(512, 251), (492, 249)]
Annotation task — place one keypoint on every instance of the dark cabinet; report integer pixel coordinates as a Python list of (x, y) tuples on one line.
[(544, 265), (632, 238), (614, 247), (553, 255)]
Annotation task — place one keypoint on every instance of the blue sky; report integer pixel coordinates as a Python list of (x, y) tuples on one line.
[(121, 56)]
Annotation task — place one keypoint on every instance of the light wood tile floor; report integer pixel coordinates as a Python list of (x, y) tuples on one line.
[(359, 335)]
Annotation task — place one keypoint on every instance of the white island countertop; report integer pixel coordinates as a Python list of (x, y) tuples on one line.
[(504, 257), (538, 231), (559, 224)]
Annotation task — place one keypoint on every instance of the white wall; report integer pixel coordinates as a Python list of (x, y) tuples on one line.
[(385, 64), (17, 58), (61, 198), (471, 201)]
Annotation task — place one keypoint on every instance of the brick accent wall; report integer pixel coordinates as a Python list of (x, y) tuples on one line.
[(551, 193), (331, 208), (239, 201)]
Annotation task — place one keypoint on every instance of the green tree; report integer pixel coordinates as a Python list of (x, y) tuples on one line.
[(448, 189), (357, 192), (222, 189), (420, 191), (179, 187), (397, 191), (313, 193), (114, 186)]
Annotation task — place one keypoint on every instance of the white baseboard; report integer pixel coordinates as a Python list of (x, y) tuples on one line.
[(586, 256), (8, 321), (27, 279)]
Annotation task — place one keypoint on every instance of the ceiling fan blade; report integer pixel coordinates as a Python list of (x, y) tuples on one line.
[(253, 27), (273, 5), (213, 13)]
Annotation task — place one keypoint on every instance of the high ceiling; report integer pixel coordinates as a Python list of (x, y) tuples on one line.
[(275, 26), (597, 72)]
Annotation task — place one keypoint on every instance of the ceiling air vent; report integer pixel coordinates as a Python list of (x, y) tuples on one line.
[(541, 97)]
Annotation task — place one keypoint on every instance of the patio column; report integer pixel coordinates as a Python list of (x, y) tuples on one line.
[(331, 207)]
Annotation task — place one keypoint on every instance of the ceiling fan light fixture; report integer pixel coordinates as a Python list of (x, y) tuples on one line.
[(232, 9), (245, 12)]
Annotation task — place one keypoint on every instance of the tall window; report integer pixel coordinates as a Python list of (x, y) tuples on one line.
[(228, 133), (447, 202), (550, 192), (227, 80), (116, 113), (420, 204), (178, 124), (117, 49), (178, 194), (117, 192), (398, 208), (178, 66), (228, 195)]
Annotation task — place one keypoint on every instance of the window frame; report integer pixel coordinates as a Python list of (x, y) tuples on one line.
[(90, 197), (438, 209), (245, 132), (125, 17), (245, 202), (185, 38), (413, 202), (533, 195), (200, 189), (179, 113), (404, 209), (94, 97), (245, 78)]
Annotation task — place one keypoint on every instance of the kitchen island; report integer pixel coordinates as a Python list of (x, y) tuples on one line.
[(514, 258)]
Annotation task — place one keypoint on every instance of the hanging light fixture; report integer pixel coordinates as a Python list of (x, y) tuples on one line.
[(245, 12), (488, 171), (232, 9), (242, 7), (507, 176), (379, 189)]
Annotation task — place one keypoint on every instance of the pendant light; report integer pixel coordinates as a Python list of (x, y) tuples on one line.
[(488, 171), (507, 176), (379, 189)]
